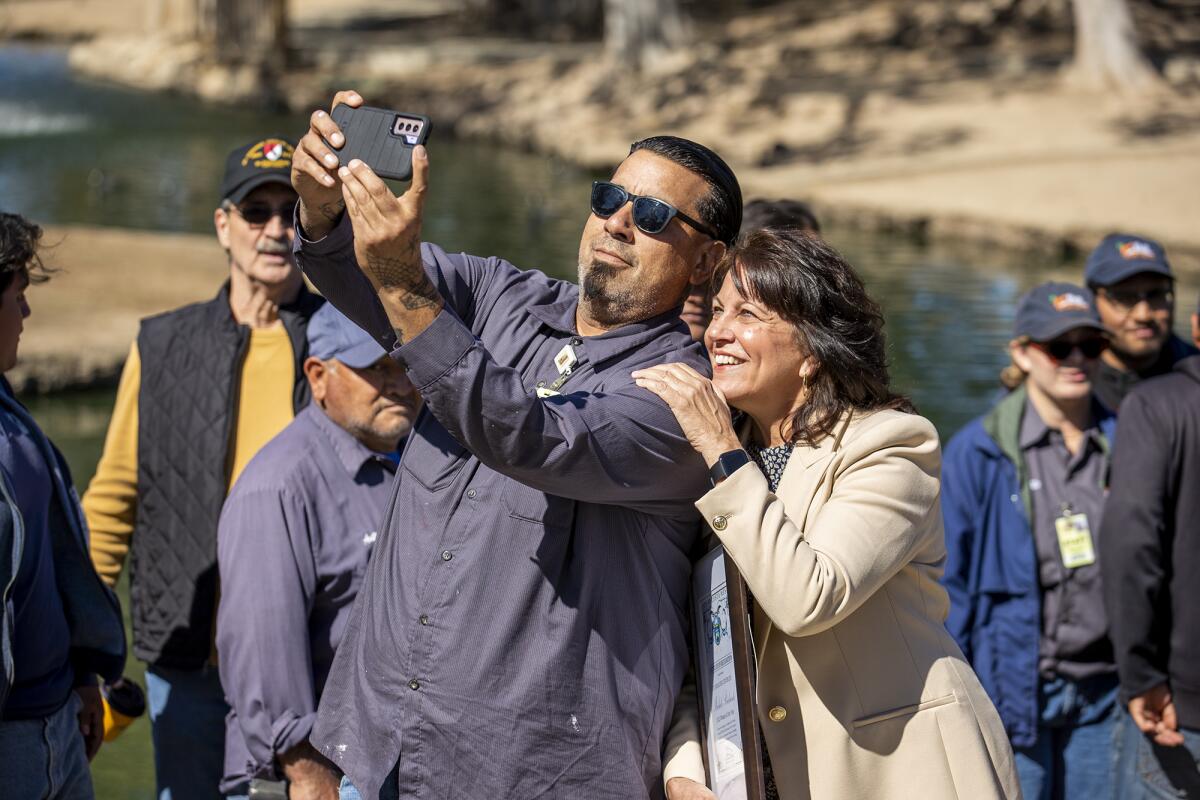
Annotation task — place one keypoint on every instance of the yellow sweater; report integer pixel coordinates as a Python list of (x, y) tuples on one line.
[(264, 408)]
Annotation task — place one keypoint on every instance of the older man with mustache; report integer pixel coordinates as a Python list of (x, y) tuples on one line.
[(205, 386)]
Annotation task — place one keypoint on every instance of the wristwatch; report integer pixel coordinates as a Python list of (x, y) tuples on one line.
[(727, 464)]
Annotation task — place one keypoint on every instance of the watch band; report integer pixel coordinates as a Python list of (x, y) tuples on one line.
[(727, 464)]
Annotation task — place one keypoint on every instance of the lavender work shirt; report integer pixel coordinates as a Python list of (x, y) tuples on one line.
[(292, 545), (521, 629)]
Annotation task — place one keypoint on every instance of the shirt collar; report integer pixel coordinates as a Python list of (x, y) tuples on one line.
[(1034, 431), (350, 451), (560, 316)]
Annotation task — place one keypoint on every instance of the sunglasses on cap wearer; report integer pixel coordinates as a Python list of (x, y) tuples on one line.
[(259, 214), (1061, 349), (1159, 297), (650, 214)]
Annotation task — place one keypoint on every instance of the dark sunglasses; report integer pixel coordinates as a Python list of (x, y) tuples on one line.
[(1061, 349), (1128, 298), (650, 214), (258, 214)]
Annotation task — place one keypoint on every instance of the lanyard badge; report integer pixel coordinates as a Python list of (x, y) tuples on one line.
[(564, 361), (1075, 539)]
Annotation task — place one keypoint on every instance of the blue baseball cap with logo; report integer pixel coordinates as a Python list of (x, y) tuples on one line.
[(1123, 255), (1048, 311), (332, 335)]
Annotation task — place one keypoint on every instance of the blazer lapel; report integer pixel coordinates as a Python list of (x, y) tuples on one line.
[(798, 486)]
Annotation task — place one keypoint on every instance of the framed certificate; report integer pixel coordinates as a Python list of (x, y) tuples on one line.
[(725, 679)]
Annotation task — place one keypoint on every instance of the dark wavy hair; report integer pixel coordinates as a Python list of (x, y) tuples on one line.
[(19, 241), (810, 285), (721, 208)]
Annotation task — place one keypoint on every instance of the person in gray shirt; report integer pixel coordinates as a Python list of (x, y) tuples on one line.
[(292, 545), (521, 631)]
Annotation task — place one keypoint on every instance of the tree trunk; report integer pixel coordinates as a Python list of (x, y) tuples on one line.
[(638, 31), (244, 32), (1106, 49)]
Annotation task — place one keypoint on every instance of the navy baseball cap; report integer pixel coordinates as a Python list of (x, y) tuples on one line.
[(331, 335), (257, 164), (1050, 310), (1122, 255)]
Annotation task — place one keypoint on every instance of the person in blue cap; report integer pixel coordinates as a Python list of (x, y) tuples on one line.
[(1135, 296), (1023, 491), (292, 545)]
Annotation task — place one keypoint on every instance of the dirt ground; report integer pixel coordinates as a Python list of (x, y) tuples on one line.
[(85, 317)]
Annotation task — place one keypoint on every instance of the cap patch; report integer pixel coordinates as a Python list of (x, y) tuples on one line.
[(1069, 301), (1133, 250), (269, 154)]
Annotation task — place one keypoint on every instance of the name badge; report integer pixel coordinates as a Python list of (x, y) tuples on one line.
[(565, 359), (1075, 540)]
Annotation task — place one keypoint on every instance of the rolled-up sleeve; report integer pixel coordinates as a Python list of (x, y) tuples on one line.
[(268, 579)]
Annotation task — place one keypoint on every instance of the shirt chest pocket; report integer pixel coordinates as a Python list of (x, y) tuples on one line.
[(530, 505), (431, 455)]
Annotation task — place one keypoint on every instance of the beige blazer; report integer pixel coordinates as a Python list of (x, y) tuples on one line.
[(861, 692)]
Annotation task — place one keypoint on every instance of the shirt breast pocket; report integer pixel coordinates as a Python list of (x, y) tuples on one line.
[(432, 456), (528, 504)]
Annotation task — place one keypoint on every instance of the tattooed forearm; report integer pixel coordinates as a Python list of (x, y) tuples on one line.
[(396, 273)]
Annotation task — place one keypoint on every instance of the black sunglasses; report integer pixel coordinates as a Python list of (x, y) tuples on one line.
[(1061, 349), (258, 214), (1128, 298), (650, 214)]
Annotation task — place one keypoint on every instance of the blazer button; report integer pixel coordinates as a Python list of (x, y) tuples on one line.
[(720, 523), (777, 714)]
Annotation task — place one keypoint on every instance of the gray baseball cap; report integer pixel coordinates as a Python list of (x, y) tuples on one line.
[(332, 335)]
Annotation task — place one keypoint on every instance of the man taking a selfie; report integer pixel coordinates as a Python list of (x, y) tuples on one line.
[(521, 629)]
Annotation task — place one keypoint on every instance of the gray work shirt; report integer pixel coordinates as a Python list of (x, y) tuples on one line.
[(292, 545), (1074, 640), (521, 631)]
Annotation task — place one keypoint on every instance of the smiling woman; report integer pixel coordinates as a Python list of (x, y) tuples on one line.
[(826, 498)]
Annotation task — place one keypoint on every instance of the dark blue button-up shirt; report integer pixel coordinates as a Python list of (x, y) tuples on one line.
[(521, 630), (295, 536)]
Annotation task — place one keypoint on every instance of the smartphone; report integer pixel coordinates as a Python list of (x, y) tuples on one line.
[(382, 139)]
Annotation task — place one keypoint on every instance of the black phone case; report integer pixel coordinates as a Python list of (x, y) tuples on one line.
[(382, 139)]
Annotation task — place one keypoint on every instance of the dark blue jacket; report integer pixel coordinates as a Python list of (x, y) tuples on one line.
[(93, 613), (991, 565)]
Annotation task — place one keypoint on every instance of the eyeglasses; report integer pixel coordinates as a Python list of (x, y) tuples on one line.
[(259, 214), (1130, 298), (650, 214), (1061, 349)]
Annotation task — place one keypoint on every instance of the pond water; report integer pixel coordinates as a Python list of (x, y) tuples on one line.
[(76, 152)]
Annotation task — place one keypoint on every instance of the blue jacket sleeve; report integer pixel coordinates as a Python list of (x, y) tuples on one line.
[(268, 579), (960, 503)]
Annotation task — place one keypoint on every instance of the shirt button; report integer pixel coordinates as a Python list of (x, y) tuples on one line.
[(447, 555), (576, 341), (777, 714), (720, 522), (471, 493), (414, 684), (424, 619)]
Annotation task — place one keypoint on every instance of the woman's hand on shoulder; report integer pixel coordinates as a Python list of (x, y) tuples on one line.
[(699, 407)]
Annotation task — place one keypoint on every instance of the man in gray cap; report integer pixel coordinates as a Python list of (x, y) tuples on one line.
[(1135, 295), (292, 545)]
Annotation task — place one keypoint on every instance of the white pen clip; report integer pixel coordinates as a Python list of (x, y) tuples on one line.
[(565, 360)]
